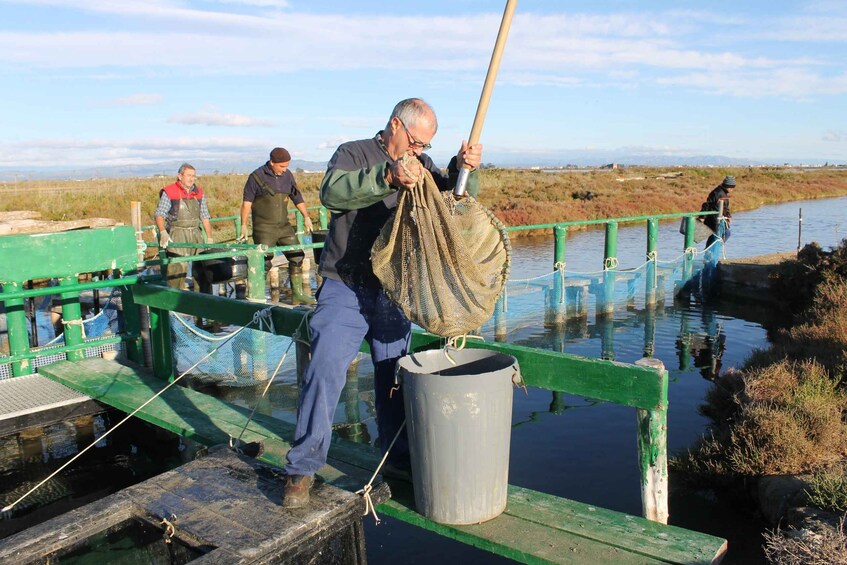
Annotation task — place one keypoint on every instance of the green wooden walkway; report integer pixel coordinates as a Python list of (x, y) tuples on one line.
[(536, 527)]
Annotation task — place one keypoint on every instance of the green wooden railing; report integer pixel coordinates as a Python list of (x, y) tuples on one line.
[(65, 255), (323, 220)]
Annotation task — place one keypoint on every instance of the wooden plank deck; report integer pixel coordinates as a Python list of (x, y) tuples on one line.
[(536, 527)]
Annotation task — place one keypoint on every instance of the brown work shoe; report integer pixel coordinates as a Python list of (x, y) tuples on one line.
[(295, 492)]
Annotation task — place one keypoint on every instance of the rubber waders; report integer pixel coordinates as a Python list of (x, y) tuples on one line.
[(298, 296)]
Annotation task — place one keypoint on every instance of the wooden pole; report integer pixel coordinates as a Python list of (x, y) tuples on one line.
[(487, 88), (653, 452)]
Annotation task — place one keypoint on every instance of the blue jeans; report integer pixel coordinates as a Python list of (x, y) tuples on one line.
[(344, 316)]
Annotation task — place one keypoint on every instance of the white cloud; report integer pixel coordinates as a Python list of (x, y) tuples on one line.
[(835, 136), (138, 99), (792, 83), (332, 143), (217, 119), (30, 153), (558, 50)]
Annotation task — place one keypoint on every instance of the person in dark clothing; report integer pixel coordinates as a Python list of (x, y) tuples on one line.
[(266, 195), (360, 189), (718, 201)]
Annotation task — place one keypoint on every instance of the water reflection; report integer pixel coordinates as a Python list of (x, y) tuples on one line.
[(132, 453)]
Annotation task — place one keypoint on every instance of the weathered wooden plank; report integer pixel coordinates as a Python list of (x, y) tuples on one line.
[(526, 541), (19, 215), (610, 381), (20, 226), (670, 544), (68, 253)]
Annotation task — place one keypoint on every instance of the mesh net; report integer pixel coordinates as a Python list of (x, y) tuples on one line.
[(443, 261), (247, 359)]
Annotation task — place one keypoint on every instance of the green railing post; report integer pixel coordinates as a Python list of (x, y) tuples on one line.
[(16, 326), (160, 343), (649, 332), (560, 234), (652, 238), (256, 292), (607, 337), (500, 326), (238, 227), (132, 323), (301, 226), (684, 351), (256, 274), (558, 306), (688, 261), (610, 264), (71, 318), (652, 258), (653, 451), (557, 403), (323, 219), (689, 232)]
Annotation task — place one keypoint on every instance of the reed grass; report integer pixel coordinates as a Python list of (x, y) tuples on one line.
[(517, 197)]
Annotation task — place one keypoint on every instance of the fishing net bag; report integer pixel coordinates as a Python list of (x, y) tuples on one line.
[(443, 261)]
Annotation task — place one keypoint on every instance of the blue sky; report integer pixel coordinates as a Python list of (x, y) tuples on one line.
[(114, 82)]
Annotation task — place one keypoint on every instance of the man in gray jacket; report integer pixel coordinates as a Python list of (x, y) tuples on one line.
[(360, 189)]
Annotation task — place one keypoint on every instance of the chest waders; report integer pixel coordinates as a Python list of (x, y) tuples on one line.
[(184, 228), (271, 227)]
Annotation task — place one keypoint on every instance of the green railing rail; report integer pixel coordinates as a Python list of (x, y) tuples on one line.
[(323, 220), (64, 256)]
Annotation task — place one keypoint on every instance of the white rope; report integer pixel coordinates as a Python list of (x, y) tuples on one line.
[(75, 323), (271, 380), (652, 256), (193, 329), (128, 416), (453, 343), (544, 276), (610, 263), (366, 490)]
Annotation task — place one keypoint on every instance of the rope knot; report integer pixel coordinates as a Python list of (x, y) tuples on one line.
[(263, 319)]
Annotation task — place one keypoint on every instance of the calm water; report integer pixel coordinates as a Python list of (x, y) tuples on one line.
[(134, 452)]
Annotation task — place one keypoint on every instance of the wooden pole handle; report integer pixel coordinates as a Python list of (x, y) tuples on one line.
[(493, 67), (485, 97)]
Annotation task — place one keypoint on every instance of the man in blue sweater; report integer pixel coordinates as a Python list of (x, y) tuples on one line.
[(360, 189)]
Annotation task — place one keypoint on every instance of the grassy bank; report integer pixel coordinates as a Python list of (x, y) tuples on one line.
[(518, 197), (784, 412)]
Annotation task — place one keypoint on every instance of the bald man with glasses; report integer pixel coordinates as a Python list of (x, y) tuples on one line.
[(360, 188)]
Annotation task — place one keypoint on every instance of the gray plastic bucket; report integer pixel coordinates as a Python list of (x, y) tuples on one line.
[(459, 420)]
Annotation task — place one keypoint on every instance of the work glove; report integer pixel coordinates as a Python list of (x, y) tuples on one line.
[(241, 238), (209, 239), (164, 239), (307, 224)]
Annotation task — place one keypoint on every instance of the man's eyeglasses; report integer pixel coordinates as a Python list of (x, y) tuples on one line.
[(413, 141)]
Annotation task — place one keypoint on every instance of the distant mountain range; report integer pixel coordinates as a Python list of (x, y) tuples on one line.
[(166, 169), (586, 158)]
